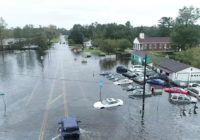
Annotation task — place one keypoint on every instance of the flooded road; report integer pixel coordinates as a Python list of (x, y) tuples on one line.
[(40, 91)]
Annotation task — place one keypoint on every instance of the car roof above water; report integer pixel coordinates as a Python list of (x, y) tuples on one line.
[(69, 123)]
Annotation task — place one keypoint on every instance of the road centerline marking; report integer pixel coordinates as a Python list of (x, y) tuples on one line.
[(44, 122), (55, 99)]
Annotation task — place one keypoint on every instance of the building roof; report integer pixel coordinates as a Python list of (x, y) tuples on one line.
[(169, 65), (155, 40)]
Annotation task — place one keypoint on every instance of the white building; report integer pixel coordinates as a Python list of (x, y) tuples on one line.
[(177, 71), (87, 44), (144, 42)]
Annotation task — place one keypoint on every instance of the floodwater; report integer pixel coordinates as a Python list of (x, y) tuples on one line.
[(41, 88)]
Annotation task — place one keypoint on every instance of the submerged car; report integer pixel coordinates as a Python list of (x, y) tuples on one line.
[(123, 81), (117, 78), (107, 103), (182, 98), (176, 90), (104, 73), (139, 93), (135, 68), (121, 69), (156, 82), (194, 85), (69, 128), (129, 75), (132, 87)]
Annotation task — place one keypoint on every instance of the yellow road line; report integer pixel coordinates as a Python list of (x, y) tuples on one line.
[(55, 99), (65, 102), (64, 94), (44, 122)]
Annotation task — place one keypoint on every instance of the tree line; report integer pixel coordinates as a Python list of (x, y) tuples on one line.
[(30, 35), (183, 31)]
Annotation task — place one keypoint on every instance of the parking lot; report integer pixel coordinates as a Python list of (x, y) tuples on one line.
[(39, 93)]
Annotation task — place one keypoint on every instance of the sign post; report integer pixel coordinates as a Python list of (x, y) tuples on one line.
[(101, 83)]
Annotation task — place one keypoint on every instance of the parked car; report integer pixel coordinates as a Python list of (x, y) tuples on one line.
[(113, 76), (121, 69), (117, 78), (132, 87), (176, 90), (135, 68), (159, 76), (156, 82), (139, 93), (194, 85), (194, 91), (107, 103), (139, 79), (84, 61), (104, 73), (182, 98), (123, 81), (129, 74), (69, 128)]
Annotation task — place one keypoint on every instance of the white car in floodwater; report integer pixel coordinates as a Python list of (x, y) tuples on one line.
[(123, 81), (108, 103), (138, 68), (182, 98)]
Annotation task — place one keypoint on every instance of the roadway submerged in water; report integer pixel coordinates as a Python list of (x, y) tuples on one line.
[(41, 92)]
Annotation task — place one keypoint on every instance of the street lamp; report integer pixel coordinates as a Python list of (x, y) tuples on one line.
[(2, 95)]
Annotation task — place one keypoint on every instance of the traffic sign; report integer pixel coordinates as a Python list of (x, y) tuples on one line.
[(101, 83)]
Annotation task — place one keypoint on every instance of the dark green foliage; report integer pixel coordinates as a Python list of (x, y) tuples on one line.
[(76, 34), (165, 26), (190, 56), (40, 39), (188, 16), (185, 37), (123, 44), (112, 45), (185, 33), (2, 31), (102, 31)]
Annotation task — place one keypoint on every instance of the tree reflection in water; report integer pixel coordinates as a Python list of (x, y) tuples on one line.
[(109, 63), (40, 57)]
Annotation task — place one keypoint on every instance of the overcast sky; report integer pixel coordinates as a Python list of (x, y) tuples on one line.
[(66, 13)]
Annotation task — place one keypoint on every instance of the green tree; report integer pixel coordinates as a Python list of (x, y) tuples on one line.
[(107, 45), (51, 32), (188, 16), (123, 44), (2, 31), (76, 34), (40, 39), (185, 33), (165, 25), (186, 37), (17, 33)]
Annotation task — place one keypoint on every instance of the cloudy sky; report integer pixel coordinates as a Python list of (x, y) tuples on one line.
[(66, 13)]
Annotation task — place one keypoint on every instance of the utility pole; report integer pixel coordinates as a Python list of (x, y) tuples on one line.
[(143, 97)]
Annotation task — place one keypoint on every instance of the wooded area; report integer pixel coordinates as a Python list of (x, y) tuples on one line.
[(183, 31)]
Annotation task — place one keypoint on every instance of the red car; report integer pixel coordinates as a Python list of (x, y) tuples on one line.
[(176, 90)]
